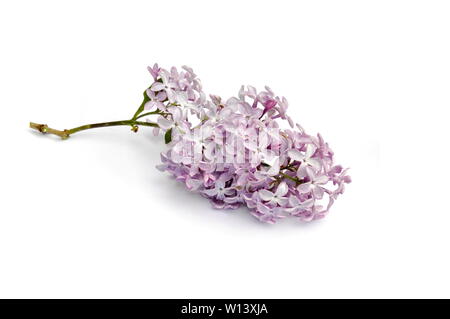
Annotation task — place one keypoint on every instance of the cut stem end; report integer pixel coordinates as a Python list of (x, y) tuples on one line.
[(44, 129)]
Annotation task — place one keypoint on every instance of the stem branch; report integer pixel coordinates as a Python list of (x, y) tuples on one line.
[(43, 128), (294, 179), (150, 113)]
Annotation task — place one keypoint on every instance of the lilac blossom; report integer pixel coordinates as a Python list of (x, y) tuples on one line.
[(305, 159), (277, 198), (176, 120), (156, 100), (165, 84), (236, 152), (154, 71), (314, 185)]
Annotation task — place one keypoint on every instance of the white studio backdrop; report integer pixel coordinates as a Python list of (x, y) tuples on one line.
[(91, 217)]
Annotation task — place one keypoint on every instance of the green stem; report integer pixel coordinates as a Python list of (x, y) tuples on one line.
[(43, 128), (150, 113), (290, 167), (294, 179), (142, 106)]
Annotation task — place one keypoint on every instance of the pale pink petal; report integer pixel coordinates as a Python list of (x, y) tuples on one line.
[(177, 114), (282, 201), (263, 208), (304, 188), (161, 96), (164, 76), (229, 191), (149, 105), (242, 179), (210, 192), (209, 151), (310, 173), (157, 86), (290, 121), (318, 192), (171, 96), (150, 94), (263, 141), (159, 105), (265, 195), (282, 189), (164, 123), (294, 201), (307, 203), (274, 168), (313, 162), (321, 179), (182, 98), (296, 155), (172, 85), (301, 172), (310, 150), (193, 184)]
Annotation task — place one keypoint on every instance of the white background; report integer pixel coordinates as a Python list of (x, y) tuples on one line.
[(91, 216)]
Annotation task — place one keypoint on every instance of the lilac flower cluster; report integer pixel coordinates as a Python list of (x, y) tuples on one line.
[(235, 153)]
